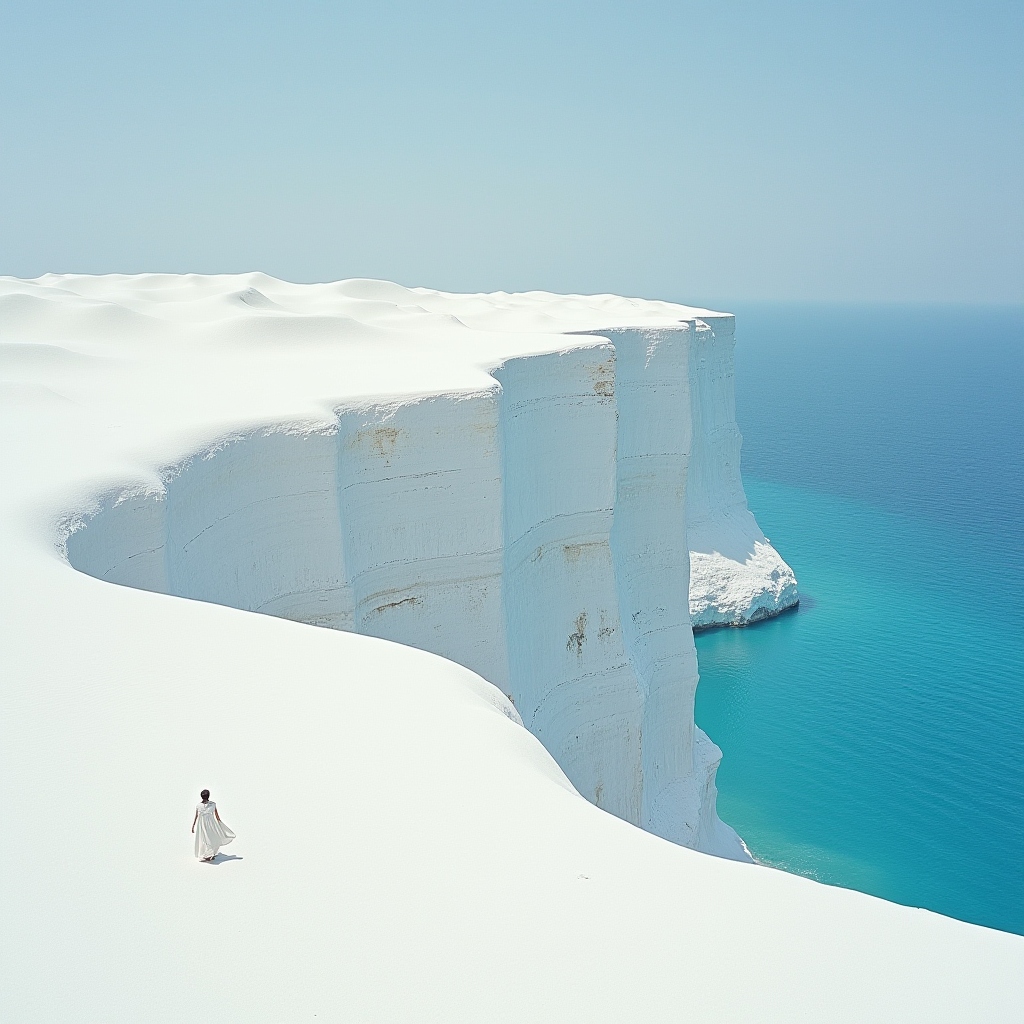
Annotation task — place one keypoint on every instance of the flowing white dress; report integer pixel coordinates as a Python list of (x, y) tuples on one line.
[(211, 834)]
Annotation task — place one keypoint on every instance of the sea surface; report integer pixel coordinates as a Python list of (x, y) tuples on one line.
[(874, 738)]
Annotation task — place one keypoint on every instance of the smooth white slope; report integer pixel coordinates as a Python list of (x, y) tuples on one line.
[(408, 852)]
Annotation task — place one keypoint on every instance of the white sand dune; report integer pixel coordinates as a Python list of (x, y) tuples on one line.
[(455, 473)]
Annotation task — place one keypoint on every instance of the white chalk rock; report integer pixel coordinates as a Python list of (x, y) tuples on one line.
[(736, 576)]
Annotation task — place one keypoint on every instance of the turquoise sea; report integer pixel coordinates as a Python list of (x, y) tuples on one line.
[(874, 738)]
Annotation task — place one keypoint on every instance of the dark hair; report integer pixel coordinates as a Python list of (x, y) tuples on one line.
[(205, 795)]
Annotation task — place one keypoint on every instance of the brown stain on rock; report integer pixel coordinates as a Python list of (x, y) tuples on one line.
[(576, 640), (380, 440), (574, 552), (604, 379)]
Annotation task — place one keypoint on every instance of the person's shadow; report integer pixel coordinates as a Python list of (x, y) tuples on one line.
[(223, 857)]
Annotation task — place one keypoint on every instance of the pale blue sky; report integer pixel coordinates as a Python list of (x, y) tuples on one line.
[(681, 150)]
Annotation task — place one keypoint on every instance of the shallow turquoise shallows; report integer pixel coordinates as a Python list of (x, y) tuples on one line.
[(874, 738)]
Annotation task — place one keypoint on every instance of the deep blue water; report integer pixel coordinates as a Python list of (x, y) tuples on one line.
[(874, 739)]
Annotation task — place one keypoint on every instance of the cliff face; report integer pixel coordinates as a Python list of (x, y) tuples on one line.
[(736, 576), (538, 531)]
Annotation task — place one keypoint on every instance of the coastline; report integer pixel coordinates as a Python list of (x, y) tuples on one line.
[(442, 830)]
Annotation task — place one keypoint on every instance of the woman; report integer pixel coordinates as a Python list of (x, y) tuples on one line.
[(212, 833)]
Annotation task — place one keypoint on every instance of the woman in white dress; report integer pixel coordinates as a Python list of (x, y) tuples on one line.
[(211, 833)]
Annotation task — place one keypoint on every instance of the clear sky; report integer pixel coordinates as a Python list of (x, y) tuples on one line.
[(824, 150)]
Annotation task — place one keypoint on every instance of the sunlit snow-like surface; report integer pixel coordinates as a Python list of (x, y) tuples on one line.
[(406, 849)]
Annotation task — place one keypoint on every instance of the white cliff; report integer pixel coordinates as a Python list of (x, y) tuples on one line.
[(533, 531), (736, 576), (518, 484)]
